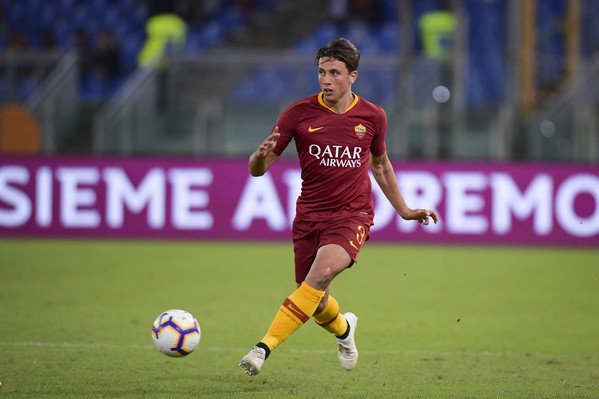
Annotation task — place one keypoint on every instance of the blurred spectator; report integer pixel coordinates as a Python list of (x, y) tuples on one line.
[(189, 10), (246, 7), (348, 11), (17, 40), (165, 32), (339, 11), (106, 57), (209, 8), (436, 31), (192, 11), (162, 7), (81, 44), (368, 11), (47, 43), (3, 26), (47, 39)]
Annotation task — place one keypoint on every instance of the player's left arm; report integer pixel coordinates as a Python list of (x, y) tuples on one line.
[(383, 173)]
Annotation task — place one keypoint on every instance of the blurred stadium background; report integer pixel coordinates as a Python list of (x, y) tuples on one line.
[(523, 76), (98, 142)]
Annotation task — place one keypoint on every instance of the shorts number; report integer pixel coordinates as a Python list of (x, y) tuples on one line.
[(360, 237)]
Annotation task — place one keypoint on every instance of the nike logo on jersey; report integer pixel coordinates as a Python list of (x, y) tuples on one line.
[(311, 129)]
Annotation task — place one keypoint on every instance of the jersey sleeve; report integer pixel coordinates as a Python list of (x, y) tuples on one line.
[(378, 146), (286, 126)]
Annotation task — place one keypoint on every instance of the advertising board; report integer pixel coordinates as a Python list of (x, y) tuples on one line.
[(478, 203)]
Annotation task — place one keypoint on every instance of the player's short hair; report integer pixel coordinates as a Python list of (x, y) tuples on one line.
[(343, 50)]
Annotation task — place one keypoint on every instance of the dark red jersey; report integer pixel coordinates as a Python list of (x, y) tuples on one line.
[(334, 151)]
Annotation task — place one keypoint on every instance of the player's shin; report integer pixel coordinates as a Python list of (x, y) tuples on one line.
[(293, 313)]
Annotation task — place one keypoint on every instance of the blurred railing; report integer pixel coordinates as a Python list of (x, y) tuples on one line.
[(56, 103), (126, 124), (226, 103), (566, 126), (47, 83), (22, 72)]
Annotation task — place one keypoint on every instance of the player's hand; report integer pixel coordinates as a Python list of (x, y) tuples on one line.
[(262, 159), (424, 216), (269, 144)]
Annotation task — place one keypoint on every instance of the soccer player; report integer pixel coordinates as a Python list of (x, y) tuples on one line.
[(338, 135)]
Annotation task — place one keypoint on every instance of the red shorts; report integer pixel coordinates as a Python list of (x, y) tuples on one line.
[(350, 233)]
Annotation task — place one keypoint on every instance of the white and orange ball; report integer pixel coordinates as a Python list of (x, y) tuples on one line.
[(176, 333)]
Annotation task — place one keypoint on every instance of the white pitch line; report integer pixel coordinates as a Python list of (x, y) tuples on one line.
[(73, 345), (293, 350)]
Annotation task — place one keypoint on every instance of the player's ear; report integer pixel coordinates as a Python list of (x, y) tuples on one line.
[(353, 76)]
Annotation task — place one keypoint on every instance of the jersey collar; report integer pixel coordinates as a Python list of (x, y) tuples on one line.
[(321, 101)]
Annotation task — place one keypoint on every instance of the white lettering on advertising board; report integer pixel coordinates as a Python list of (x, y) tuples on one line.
[(78, 202), (473, 202)]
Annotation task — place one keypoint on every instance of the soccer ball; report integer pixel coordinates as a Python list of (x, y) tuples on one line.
[(176, 333)]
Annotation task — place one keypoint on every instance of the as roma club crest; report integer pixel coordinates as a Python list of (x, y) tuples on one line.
[(360, 130)]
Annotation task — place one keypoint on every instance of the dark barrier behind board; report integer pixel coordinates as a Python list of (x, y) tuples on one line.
[(479, 203)]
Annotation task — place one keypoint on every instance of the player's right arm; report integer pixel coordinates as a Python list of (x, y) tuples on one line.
[(262, 159)]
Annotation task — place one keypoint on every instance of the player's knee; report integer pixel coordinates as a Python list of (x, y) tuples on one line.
[(319, 278)]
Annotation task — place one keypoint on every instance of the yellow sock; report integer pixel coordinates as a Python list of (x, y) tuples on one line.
[(295, 311), (330, 319)]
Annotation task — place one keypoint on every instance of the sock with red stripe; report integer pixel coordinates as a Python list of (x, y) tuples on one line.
[(293, 313), (331, 319)]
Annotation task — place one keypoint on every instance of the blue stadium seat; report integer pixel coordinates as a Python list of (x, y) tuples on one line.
[(111, 17), (210, 34), (78, 15), (486, 80), (14, 13), (325, 32), (388, 37), (231, 18), (486, 63), (590, 28), (308, 45), (26, 86), (390, 9), (64, 34), (130, 46), (64, 4), (96, 88), (48, 14)]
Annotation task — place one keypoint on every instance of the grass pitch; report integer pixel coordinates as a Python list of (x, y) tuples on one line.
[(435, 322)]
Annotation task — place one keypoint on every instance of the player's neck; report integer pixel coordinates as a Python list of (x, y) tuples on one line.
[(343, 104)]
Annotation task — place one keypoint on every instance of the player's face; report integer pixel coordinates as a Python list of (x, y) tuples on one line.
[(335, 80)]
